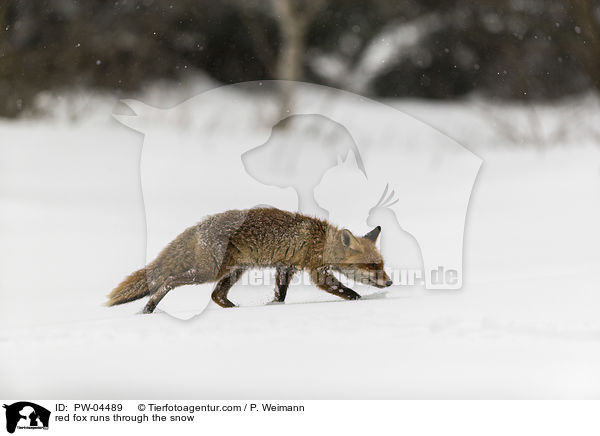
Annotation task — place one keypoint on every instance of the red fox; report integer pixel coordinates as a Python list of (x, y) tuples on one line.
[(223, 246)]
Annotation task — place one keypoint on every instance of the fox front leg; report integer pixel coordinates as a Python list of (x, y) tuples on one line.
[(327, 281), (283, 277)]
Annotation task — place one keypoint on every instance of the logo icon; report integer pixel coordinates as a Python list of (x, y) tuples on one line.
[(26, 415)]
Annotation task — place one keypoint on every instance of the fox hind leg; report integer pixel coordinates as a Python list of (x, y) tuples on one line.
[(283, 277), (190, 277), (219, 295)]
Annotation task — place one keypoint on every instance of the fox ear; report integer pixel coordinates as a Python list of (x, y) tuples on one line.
[(349, 241), (373, 234)]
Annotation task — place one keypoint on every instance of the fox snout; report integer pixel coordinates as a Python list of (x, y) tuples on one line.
[(375, 276), (384, 281), (379, 279)]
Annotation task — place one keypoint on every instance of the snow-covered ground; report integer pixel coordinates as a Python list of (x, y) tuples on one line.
[(524, 325)]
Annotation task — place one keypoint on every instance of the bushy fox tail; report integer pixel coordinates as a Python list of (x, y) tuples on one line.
[(135, 286)]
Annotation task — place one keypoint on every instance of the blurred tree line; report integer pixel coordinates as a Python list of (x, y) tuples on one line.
[(440, 49)]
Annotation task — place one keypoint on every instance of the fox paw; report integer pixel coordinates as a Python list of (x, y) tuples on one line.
[(353, 296)]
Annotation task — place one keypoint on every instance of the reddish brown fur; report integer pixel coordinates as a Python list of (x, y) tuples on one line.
[(223, 246)]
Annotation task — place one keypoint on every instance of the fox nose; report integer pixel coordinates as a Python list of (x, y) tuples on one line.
[(388, 283)]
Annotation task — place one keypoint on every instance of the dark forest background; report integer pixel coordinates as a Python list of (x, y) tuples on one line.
[(435, 49)]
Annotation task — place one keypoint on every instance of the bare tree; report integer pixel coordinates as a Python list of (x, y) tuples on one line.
[(586, 44), (293, 18)]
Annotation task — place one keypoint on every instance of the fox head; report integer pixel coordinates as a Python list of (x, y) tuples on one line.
[(358, 257)]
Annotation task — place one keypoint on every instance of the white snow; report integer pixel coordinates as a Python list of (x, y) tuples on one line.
[(525, 324)]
